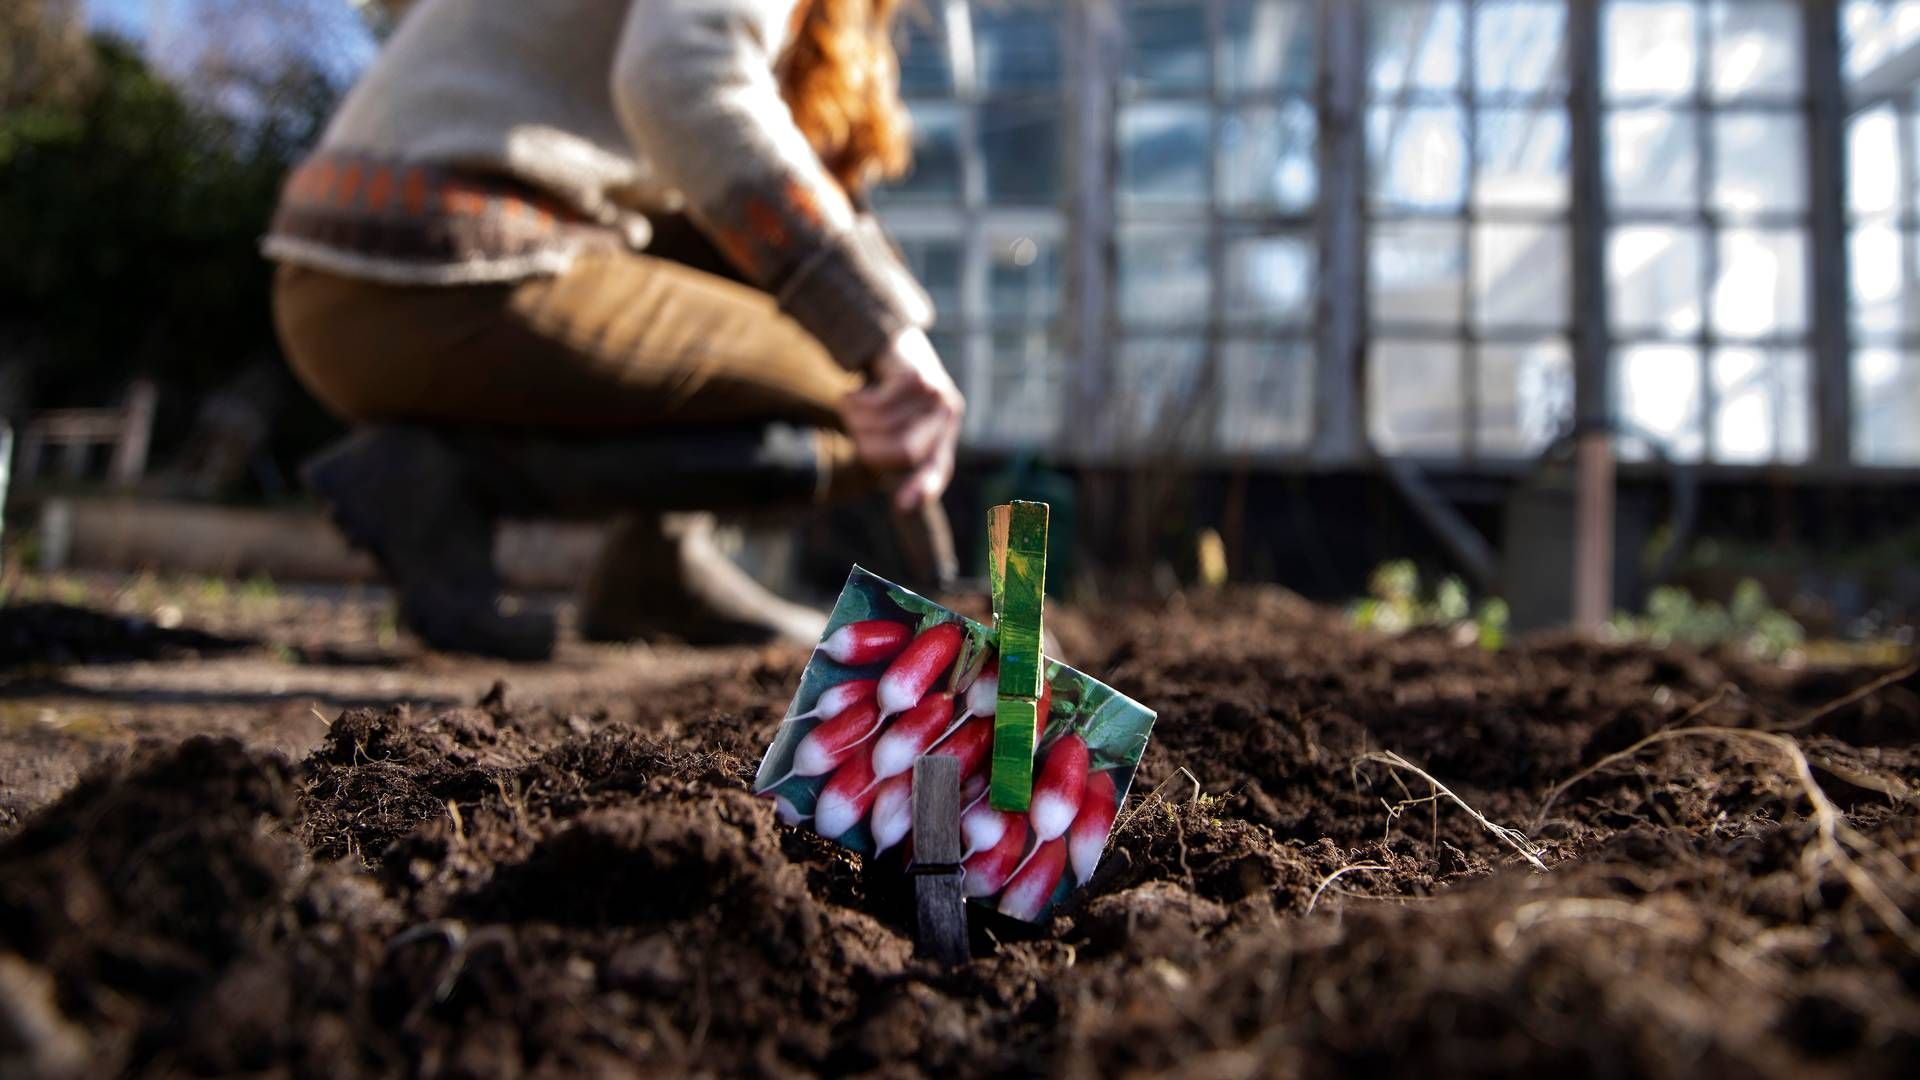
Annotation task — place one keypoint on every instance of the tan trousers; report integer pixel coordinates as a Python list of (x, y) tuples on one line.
[(622, 342)]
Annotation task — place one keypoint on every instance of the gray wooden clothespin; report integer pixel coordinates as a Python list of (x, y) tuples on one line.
[(941, 934)]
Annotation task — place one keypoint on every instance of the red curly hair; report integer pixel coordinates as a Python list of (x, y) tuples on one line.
[(841, 77)]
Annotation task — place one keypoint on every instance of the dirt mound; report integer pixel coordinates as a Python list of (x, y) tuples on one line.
[(163, 897), (503, 890)]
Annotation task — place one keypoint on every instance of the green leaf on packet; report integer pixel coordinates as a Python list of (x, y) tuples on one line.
[(1118, 729), (931, 614)]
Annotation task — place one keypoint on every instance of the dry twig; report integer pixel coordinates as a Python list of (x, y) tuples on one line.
[(1513, 838), (1335, 876), (1835, 844), (1859, 695)]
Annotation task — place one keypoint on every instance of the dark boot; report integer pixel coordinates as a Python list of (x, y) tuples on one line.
[(659, 573), (663, 575), (423, 502), (406, 496)]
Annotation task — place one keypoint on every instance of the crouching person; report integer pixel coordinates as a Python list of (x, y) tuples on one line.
[(593, 258)]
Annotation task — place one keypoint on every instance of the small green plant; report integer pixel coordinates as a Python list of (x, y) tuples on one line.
[(260, 590), (1395, 604), (1748, 622)]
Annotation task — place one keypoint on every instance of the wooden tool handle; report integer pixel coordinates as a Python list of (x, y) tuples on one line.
[(926, 540)]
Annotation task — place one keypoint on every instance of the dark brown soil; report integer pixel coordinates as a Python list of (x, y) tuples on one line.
[(55, 634), (506, 890)]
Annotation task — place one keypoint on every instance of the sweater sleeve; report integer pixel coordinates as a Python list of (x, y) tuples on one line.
[(694, 84)]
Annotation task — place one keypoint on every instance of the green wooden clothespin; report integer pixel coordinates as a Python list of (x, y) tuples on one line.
[(1017, 569)]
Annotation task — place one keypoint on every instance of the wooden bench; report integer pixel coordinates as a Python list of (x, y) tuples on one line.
[(128, 429)]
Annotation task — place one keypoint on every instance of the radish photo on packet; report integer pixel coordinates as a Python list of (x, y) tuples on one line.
[(897, 676)]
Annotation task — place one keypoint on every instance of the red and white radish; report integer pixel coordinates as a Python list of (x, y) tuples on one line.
[(1042, 708), (1088, 836), (1058, 790), (826, 746), (910, 734), (986, 871), (970, 744), (983, 695), (846, 798), (835, 700), (913, 673), (867, 642), (981, 827), (892, 817), (1027, 894), (974, 786), (788, 813)]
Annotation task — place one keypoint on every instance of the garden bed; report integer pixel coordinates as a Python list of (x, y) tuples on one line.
[(512, 888)]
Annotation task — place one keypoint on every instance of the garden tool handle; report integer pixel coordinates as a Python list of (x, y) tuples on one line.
[(926, 540)]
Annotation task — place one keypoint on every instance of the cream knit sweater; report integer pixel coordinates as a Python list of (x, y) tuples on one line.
[(618, 109)]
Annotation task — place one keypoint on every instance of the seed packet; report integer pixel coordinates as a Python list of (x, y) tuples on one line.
[(896, 676)]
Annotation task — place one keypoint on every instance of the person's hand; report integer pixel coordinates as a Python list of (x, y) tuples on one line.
[(907, 418)]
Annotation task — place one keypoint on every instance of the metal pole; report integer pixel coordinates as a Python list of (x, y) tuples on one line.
[(1093, 54), (1827, 234), (1340, 366), (1592, 386)]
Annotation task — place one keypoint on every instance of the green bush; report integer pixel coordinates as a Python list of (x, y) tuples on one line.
[(1395, 603), (1748, 623), (131, 218)]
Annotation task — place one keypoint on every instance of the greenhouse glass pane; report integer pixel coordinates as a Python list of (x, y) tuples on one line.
[(1017, 48), (1166, 45), (1885, 282), (1269, 279), (1271, 407), (1267, 158), (1267, 45), (1416, 272), (1659, 390), (1756, 50), (1023, 279), (1158, 393), (1522, 159), (1762, 285), (936, 264), (1654, 279), (1417, 403), (1759, 163), (1026, 380), (1526, 396), (1886, 403), (1020, 146), (1418, 156), (1521, 276), (924, 65), (1520, 46), (1651, 49), (937, 175), (1873, 162), (1653, 160), (1163, 276), (1762, 406), (1416, 45), (1163, 154)]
